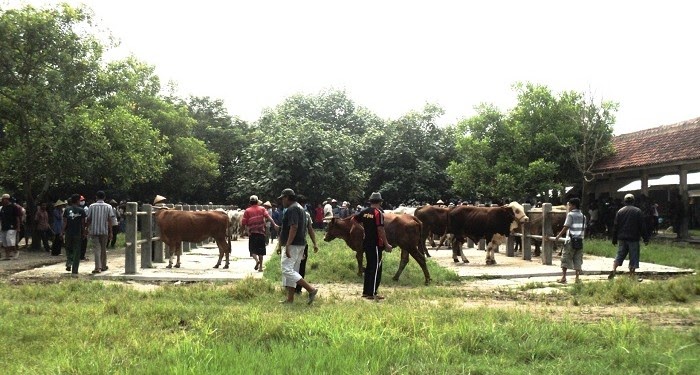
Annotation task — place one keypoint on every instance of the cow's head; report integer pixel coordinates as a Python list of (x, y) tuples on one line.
[(331, 230), (519, 216), (338, 228)]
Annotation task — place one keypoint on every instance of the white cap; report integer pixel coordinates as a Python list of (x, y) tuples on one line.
[(253, 198), (629, 197)]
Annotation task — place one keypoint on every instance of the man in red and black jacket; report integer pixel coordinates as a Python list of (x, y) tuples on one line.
[(372, 219)]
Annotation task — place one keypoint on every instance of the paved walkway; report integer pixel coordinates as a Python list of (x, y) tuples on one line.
[(197, 265)]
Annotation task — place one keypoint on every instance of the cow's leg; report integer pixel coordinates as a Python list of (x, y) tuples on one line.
[(170, 257), (359, 255), (178, 253), (457, 250), (442, 241), (420, 259), (495, 241), (402, 264)]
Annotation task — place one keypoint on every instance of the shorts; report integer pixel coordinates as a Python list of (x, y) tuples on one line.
[(570, 258), (628, 247), (8, 238), (257, 244)]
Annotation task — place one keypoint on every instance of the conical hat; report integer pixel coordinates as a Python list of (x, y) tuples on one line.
[(59, 203), (159, 198)]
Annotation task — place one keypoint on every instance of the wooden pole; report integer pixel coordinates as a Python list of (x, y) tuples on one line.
[(130, 251), (547, 246), (526, 247)]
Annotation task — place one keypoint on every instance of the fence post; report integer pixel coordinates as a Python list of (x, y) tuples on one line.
[(199, 208), (498, 248), (526, 247), (547, 246), (146, 235), (510, 252), (158, 255), (186, 246), (130, 251), (470, 243)]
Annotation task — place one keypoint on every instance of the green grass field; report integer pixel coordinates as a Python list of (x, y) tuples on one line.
[(88, 327)]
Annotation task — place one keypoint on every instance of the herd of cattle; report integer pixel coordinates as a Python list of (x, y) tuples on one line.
[(406, 228)]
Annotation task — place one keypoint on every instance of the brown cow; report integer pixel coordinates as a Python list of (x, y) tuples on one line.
[(401, 230), (558, 219), (434, 219), (193, 226), (491, 223)]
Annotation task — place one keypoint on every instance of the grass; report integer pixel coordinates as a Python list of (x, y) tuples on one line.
[(676, 254), (336, 263), (86, 327)]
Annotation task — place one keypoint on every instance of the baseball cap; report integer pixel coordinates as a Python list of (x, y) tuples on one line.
[(5, 196), (253, 198), (629, 197), (287, 193)]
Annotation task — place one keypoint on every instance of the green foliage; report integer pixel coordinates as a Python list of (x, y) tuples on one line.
[(545, 142)]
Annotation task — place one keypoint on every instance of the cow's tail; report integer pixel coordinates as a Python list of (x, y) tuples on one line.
[(228, 242)]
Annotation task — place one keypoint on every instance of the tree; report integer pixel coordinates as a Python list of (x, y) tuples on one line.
[(411, 165)]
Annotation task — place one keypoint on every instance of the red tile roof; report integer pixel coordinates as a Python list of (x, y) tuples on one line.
[(668, 143)]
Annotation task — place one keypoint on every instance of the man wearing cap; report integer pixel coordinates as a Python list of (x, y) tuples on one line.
[(293, 236), (57, 227), (374, 242), (628, 227), (254, 219), (327, 210), (10, 217)]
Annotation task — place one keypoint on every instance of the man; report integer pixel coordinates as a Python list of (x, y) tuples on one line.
[(10, 218), (115, 223), (344, 210), (84, 241), (57, 227), (293, 236), (374, 242), (572, 254), (327, 210), (309, 228), (73, 232), (99, 220), (254, 218), (42, 225), (628, 227)]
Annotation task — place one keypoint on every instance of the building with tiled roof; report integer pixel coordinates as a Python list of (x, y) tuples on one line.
[(666, 145), (662, 151)]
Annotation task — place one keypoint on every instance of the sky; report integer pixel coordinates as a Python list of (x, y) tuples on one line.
[(392, 57)]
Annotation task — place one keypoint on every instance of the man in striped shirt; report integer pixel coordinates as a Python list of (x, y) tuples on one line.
[(572, 254), (99, 228)]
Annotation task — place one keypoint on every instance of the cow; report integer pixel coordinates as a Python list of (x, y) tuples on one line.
[(235, 217), (434, 219), (401, 231), (193, 226), (491, 223)]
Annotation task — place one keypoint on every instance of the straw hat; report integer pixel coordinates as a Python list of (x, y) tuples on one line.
[(267, 204), (59, 203), (159, 198)]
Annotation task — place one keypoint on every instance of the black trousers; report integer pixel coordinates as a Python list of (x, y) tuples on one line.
[(83, 248), (45, 234), (115, 231), (57, 245), (373, 271), (302, 267)]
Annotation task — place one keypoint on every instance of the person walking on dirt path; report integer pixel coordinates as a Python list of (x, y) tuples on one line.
[(9, 225), (254, 219), (100, 217), (84, 241), (572, 253), (57, 227), (73, 232), (628, 227), (293, 236), (310, 230), (374, 243)]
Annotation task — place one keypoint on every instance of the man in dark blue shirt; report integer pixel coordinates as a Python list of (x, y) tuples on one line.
[(628, 227), (374, 242)]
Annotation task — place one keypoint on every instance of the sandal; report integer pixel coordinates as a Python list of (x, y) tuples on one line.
[(561, 281)]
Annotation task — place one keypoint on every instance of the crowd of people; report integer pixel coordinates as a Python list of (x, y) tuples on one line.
[(70, 228)]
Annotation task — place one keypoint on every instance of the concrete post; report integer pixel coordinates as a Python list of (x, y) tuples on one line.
[(158, 249), (683, 204), (470, 243), (146, 235), (527, 248), (510, 248), (547, 246), (186, 246), (130, 251)]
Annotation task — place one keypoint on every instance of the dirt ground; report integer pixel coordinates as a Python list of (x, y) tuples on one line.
[(541, 301)]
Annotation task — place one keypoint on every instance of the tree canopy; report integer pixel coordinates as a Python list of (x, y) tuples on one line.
[(72, 122)]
